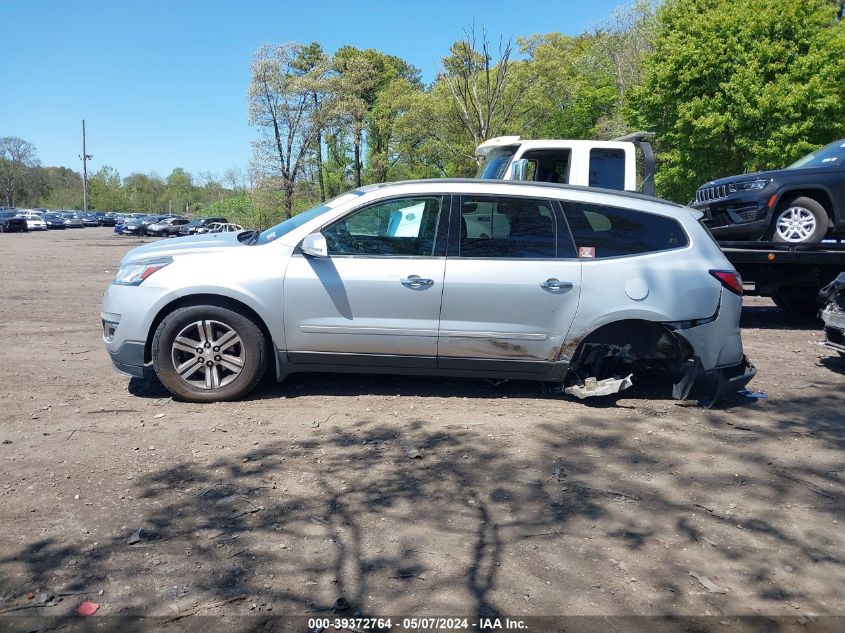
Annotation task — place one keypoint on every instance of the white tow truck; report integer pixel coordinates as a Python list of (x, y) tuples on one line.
[(608, 164)]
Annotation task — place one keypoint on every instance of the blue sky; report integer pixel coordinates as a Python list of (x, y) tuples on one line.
[(163, 84)]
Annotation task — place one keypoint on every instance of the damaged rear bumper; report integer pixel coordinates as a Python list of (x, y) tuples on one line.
[(732, 379), (720, 381)]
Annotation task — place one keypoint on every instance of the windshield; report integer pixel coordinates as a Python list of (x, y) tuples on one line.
[(495, 165), (832, 155), (283, 228)]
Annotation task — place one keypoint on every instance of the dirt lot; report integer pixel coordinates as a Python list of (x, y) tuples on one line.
[(520, 505)]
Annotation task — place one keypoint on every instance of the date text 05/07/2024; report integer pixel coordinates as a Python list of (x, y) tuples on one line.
[(318, 625)]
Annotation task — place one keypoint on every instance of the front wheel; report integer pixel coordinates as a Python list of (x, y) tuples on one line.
[(800, 221), (208, 353)]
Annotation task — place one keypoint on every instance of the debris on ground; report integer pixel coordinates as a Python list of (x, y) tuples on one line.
[(341, 604), (606, 387), (87, 608), (135, 538), (203, 607), (752, 395), (410, 449), (708, 584)]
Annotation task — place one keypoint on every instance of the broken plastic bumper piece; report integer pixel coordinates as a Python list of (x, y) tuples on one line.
[(606, 387)]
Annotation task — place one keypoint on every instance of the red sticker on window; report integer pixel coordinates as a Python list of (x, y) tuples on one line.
[(586, 251)]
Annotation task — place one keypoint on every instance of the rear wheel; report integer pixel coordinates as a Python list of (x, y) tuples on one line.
[(209, 353), (800, 221)]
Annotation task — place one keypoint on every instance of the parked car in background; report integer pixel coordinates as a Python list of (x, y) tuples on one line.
[(72, 220), (54, 221), (199, 225), (89, 219), (167, 227), (799, 204), (227, 227), (105, 218), (34, 221), (11, 222), (138, 225), (577, 286)]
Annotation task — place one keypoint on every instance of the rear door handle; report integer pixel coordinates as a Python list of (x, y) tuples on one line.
[(556, 284), (415, 282)]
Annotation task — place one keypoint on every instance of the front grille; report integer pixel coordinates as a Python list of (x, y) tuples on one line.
[(719, 218), (708, 194)]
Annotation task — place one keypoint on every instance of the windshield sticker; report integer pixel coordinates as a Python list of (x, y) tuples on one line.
[(271, 236), (586, 251), (829, 160)]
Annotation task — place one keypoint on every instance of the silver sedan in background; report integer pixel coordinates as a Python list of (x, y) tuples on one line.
[(508, 280)]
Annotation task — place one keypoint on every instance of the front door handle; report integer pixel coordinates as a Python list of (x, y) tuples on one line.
[(416, 282), (555, 284)]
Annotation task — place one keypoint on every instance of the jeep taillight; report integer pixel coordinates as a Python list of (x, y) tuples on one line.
[(730, 279)]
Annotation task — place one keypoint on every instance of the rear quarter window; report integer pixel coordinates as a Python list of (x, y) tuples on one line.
[(603, 231), (607, 168)]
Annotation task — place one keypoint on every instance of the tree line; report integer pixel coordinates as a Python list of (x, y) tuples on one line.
[(728, 86)]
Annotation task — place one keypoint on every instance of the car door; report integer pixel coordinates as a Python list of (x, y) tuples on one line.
[(511, 287), (376, 297)]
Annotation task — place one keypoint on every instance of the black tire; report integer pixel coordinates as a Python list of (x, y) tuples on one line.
[(808, 207), (253, 347)]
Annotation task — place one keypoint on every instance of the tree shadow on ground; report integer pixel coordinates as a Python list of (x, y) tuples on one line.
[(580, 513)]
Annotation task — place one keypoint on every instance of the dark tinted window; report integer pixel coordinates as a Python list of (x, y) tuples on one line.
[(601, 231), (607, 168), (404, 226), (493, 226)]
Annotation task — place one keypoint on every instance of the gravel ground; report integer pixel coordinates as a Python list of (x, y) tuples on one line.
[(521, 504)]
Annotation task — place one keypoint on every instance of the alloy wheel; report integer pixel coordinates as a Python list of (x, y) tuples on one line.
[(208, 354), (796, 224)]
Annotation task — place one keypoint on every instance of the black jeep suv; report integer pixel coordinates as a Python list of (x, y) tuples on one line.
[(798, 204)]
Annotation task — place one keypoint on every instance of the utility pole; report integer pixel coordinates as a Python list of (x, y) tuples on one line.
[(85, 158)]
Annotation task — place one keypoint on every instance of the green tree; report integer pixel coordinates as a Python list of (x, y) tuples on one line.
[(17, 158), (360, 77), (740, 85), (104, 190), (281, 106)]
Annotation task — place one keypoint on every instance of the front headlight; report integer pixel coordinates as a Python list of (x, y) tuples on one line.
[(134, 274), (750, 185)]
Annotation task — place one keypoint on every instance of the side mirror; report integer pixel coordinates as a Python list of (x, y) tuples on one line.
[(314, 245), (519, 169)]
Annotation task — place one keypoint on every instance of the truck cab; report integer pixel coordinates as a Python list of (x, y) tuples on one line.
[(606, 164)]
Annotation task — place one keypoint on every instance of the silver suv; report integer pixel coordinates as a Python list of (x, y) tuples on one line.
[(569, 285)]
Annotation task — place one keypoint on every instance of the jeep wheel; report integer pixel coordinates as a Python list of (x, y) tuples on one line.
[(208, 353), (800, 221)]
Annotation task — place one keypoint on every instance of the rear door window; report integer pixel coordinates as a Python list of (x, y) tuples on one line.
[(548, 165), (603, 231), (504, 227)]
